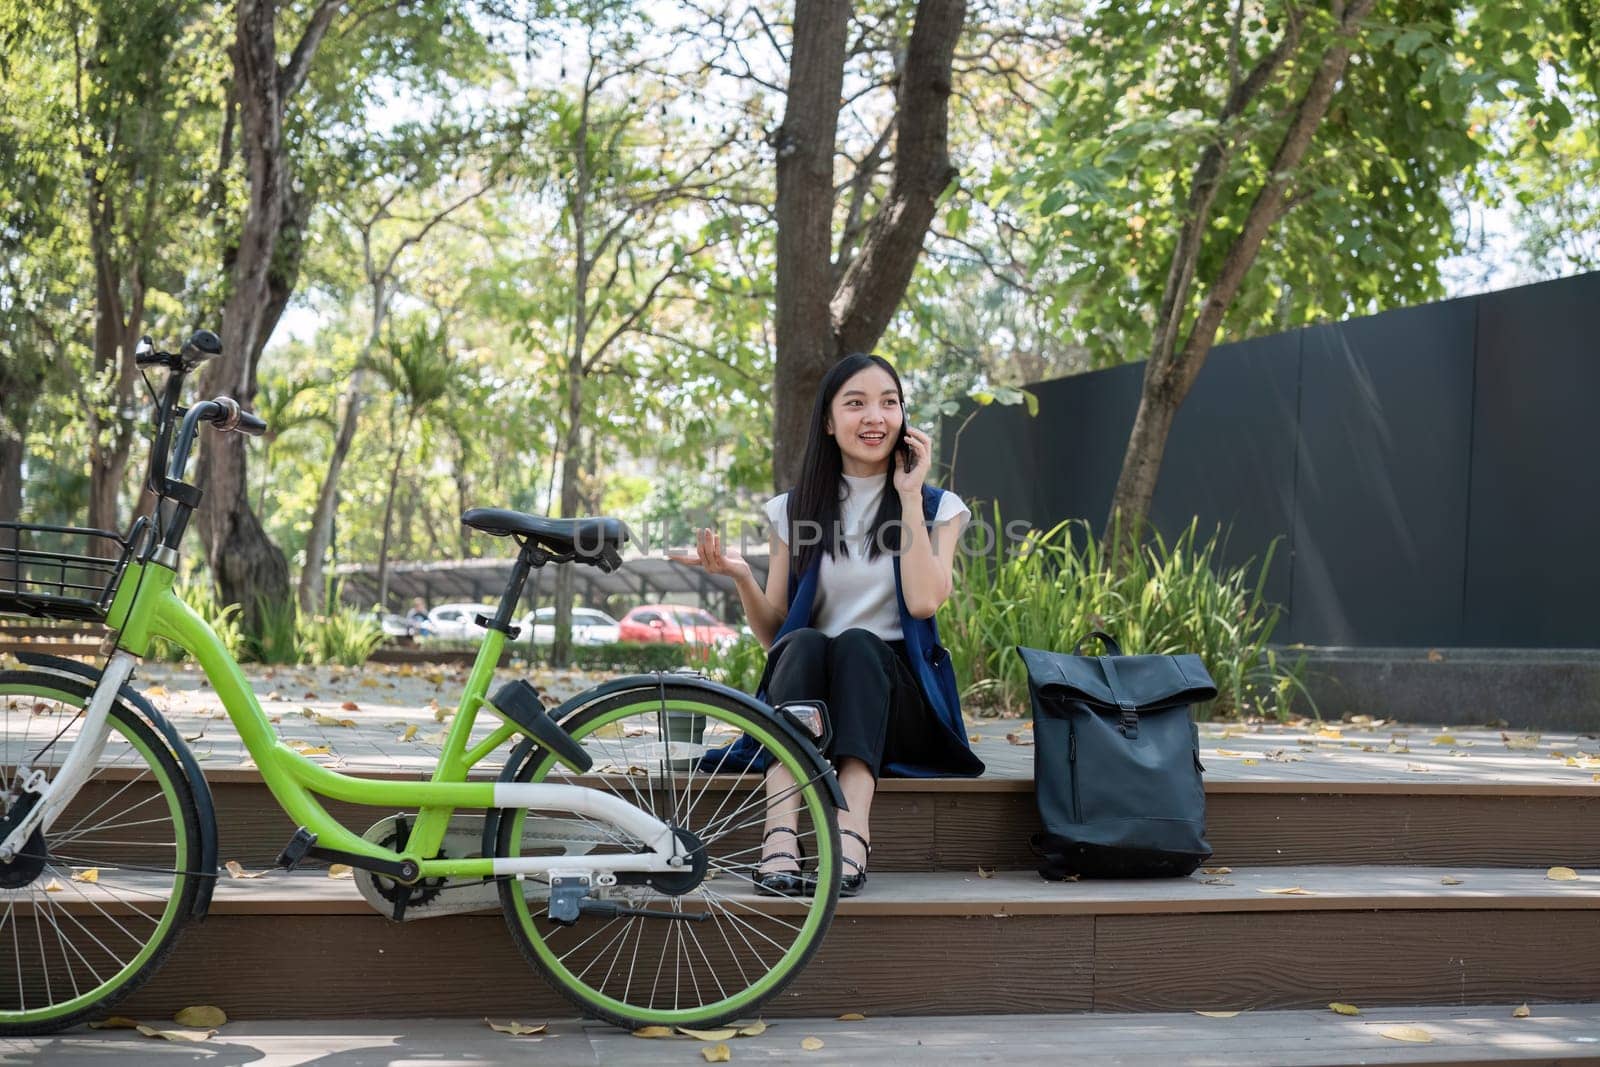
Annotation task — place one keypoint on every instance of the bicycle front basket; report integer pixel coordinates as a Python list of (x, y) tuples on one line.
[(61, 572)]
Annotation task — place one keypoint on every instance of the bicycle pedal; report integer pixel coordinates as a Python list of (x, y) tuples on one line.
[(295, 851)]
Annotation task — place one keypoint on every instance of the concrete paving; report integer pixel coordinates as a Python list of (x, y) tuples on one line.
[(1484, 1034)]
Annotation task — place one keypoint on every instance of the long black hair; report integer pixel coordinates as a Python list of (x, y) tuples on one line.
[(815, 497)]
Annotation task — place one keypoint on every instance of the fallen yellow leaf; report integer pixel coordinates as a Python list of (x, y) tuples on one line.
[(984, 872), (851, 1017), (116, 1022), (515, 1028), (722, 1033), (155, 691), (88, 874), (176, 1035), (201, 1015), (653, 1031), (370, 683), (811, 1044), (54, 886), (1344, 1009), (1332, 733), (755, 1029), (1406, 1033), (1216, 870), (1249, 762), (341, 870), (1521, 1013), (1448, 880), (1228, 752), (1561, 874), (411, 731), (1444, 739), (717, 1053), (1217, 1014), (1291, 891), (236, 870)]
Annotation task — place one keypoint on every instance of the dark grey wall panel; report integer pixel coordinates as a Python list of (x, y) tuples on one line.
[(1535, 522), (1230, 456), (1386, 428), (994, 460), (1083, 431)]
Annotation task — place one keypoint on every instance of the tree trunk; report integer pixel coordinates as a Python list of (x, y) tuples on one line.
[(116, 326), (11, 441), (1167, 381), (816, 324), (804, 341), (247, 566), (388, 516), (320, 537)]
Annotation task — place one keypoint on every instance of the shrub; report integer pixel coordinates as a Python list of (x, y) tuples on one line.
[(1057, 586), (344, 635), (277, 639), (739, 665), (634, 656)]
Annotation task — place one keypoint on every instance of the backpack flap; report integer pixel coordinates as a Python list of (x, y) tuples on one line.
[(1132, 683)]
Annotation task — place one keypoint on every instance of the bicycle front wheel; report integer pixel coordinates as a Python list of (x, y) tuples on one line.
[(90, 907), (697, 952)]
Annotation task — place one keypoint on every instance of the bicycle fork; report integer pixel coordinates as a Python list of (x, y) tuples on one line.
[(52, 796)]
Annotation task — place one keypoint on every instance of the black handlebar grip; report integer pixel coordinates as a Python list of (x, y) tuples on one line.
[(252, 424)]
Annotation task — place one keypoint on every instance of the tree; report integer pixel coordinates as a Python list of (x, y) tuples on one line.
[(387, 221), (828, 307), (1300, 147), (421, 372), (274, 129)]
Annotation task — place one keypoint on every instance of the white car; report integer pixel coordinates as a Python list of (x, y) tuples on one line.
[(455, 621), (589, 627)]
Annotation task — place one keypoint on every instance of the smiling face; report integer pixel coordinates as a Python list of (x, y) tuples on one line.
[(865, 418)]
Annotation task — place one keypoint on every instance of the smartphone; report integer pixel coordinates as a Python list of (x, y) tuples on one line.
[(903, 450)]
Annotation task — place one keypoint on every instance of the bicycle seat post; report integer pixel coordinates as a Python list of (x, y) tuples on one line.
[(529, 557)]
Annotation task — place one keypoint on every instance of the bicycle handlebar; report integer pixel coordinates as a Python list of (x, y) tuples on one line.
[(225, 414)]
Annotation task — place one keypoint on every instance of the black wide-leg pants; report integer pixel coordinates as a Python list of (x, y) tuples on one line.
[(876, 707)]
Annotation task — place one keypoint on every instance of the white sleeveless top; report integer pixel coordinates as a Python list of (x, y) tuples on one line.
[(853, 591)]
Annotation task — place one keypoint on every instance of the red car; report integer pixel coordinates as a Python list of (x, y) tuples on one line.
[(675, 624)]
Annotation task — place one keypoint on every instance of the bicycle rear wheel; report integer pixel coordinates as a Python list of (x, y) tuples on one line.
[(731, 949), (90, 908)]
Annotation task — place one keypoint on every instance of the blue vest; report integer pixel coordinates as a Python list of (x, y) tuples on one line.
[(930, 662)]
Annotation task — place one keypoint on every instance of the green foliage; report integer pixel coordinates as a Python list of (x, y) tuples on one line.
[(279, 638), (739, 665), (635, 657), (1057, 587), (1112, 166), (342, 635)]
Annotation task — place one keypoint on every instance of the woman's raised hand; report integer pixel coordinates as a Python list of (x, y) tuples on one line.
[(920, 446), (710, 554)]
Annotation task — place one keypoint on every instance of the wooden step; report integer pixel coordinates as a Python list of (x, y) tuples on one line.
[(961, 825), (305, 945)]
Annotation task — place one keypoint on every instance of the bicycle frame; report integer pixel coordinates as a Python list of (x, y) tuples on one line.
[(146, 607)]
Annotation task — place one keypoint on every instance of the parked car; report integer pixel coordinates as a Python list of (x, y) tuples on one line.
[(455, 621), (675, 624), (395, 625), (589, 627)]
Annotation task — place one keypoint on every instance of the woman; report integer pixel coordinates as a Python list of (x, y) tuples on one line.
[(847, 614)]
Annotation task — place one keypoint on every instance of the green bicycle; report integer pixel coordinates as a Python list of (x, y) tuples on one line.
[(622, 859)]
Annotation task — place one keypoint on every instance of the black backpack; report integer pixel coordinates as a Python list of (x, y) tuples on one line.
[(1116, 762)]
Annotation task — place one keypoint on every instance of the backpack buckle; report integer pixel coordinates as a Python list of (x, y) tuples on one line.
[(1129, 723)]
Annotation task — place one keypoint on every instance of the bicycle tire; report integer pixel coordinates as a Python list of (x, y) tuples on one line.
[(556, 951), (142, 889)]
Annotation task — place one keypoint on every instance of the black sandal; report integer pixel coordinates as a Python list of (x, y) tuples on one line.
[(795, 883), (851, 884)]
